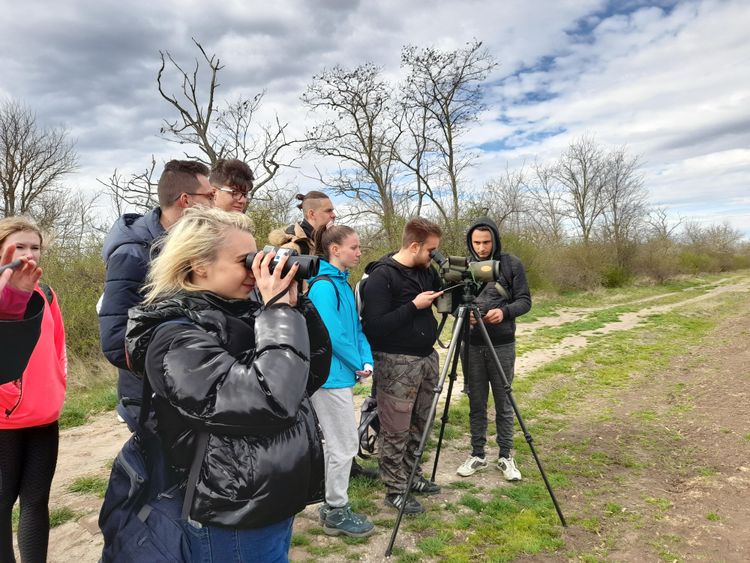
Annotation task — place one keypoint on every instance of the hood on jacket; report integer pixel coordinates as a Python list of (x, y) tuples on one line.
[(133, 228), (496, 241)]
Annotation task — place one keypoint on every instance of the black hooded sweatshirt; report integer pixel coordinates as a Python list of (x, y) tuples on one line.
[(513, 281), (391, 322)]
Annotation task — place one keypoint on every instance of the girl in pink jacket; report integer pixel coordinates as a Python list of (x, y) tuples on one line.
[(31, 404)]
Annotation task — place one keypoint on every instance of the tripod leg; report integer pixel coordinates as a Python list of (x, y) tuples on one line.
[(509, 395), (452, 351), (444, 419)]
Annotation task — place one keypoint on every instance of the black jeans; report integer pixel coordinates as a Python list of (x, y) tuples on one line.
[(28, 457), (480, 377)]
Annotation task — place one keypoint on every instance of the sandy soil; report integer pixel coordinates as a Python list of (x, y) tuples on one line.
[(720, 383)]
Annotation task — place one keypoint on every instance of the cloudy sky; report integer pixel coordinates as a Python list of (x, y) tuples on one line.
[(669, 79)]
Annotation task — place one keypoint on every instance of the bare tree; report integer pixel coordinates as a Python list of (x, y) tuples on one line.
[(138, 191), (443, 92), (582, 173), (216, 130), (545, 197), (360, 133), (625, 199), (659, 225), (33, 159), (504, 199)]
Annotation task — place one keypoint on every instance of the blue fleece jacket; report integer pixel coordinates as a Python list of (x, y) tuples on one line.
[(351, 350)]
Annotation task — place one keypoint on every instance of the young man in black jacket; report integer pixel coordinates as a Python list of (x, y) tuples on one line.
[(398, 321), (500, 303)]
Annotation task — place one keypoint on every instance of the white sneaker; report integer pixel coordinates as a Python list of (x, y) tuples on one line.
[(509, 469), (471, 466)]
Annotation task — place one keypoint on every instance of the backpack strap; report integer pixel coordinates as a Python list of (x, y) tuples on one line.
[(47, 290), (201, 443), (328, 279)]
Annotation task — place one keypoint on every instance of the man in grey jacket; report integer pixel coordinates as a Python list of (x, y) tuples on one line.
[(500, 303)]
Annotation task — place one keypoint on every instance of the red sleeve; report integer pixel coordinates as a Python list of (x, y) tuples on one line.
[(13, 303)]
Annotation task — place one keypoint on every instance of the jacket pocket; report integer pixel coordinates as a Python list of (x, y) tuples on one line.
[(10, 397), (394, 413)]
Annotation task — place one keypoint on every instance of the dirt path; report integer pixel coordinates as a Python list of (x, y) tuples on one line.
[(87, 450)]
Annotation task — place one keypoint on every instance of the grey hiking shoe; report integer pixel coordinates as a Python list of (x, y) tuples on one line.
[(342, 521), (395, 500), (424, 487), (323, 512)]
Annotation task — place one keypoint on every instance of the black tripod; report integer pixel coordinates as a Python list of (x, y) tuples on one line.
[(460, 333)]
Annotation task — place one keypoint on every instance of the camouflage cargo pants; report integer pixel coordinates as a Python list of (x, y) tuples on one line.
[(405, 390)]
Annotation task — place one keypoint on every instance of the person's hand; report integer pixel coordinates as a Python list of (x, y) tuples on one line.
[(24, 277), (493, 317), (363, 373), (271, 284), (425, 299)]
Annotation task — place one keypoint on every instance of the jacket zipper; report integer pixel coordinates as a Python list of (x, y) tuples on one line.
[(10, 411)]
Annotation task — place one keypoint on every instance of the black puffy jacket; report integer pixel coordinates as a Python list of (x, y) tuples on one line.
[(243, 375)]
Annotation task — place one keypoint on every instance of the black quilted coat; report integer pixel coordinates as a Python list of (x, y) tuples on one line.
[(243, 375)]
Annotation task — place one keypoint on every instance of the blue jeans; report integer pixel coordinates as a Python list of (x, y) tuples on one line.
[(213, 544)]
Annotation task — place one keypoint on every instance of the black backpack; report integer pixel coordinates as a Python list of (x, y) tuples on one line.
[(146, 505), (369, 428)]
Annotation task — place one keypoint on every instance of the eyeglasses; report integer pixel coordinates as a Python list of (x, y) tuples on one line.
[(236, 194), (208, 195)]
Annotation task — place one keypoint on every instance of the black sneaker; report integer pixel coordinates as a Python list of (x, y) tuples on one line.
[(424, 487), (358, 471), (395, 500)]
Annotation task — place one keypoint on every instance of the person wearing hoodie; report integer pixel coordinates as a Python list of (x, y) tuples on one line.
[(330, 292), (500, 304), (226, 368), (398, 320), (127, 254), (30, 405)]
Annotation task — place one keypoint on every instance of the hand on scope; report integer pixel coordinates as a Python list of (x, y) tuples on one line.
[(271, 284), (493, 317), (24, 277), (425, 299)]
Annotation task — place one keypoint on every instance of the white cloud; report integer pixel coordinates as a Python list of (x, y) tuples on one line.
[(670, 83)]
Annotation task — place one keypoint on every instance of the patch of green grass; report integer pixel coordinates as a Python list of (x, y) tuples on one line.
[(669, 556), (463, 486), (647, 415), (592, 524), (421, 523), (659, 502), (59, 515), (324, 550), (408, 557), (706, 471), (300, 540), (713, 517), (355, 541), (82, 403), (89, 484), (15, 517), (747, 436), (613, 509), (362, 388), (472, 502), (434, 545)]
